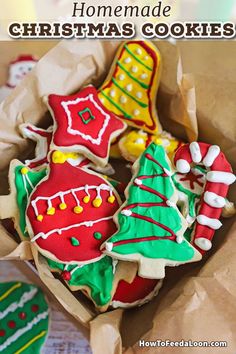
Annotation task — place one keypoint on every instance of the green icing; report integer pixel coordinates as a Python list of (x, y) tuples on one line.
[(74, 241), (30, 338), (24, 190), (97, 235), (86, 120), (128, 94), (188, 234), (134, 228), (136, 58), (98, 276), (142, 84)]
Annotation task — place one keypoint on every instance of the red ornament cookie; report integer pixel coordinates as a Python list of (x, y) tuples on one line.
[(218, 178), (70, 213), (83, 125)]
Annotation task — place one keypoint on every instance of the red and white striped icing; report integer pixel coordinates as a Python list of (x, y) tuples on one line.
[(218, 179)]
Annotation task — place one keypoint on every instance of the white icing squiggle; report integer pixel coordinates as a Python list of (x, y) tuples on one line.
[(88, 223), (15, 305), (221, 177), (195, 152), (21, 331), (214, 224), (109, 246), (203, 243), (214, 200), (212, 153), (182, 166)]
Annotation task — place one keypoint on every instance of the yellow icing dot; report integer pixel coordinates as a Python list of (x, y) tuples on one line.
[(61, 157), (51, 211), (97, 202), (62, 206), (40, 217), (78, 209), (24, 170), (111, 199), (86, 199)]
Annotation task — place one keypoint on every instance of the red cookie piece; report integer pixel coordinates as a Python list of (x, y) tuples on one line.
[(139, 292), (84, 125), (70, 213)]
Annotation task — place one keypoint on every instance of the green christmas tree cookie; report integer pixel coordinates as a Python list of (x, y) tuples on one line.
[(150, 226)]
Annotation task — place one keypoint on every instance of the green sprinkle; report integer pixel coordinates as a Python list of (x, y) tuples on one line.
[(97, 235), (74, 241)]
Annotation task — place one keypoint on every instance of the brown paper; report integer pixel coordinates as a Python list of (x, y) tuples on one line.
[(198, 300)]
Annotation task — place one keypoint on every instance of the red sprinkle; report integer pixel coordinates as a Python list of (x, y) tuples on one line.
[(34, 308), (11, 324), (22, 315), (66, 275), (2, 332)]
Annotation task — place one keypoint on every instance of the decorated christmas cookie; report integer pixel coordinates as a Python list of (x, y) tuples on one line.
[(97, 280), (23, 318), (150, 226), (22, 181), (18, 68), (132, 83), (133, 144), (70, 213), (218, 178), (139, 292), (83, 125)]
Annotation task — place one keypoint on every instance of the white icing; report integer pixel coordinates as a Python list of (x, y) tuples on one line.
[(75, 269), (139, 94), (109, 246), (138, 181), (179, 239), (70, 130), (112, 93), (169, 173), (190, 219), (114, 264), (195, 152), (121, 77), (214, 200), (86, 188), (139, 141), (123, 99), (127, 60), (203, 243), (136, 112), (129, 87), (126, 212), (214, 224), (15, 305), (170, 203), (146, 57), (221, 177), (21, 331), (138, 51), (88, 223), (25, 185), (141, 132), (18, 70), (143, 76), (134, 69), (212, 153), (182, 166)]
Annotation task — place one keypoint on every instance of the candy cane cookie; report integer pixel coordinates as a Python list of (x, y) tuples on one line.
[(218, 178)]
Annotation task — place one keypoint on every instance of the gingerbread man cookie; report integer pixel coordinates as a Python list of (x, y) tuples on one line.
[(132, 83), (83, 125), (23, 318), (218, 178), (69, 204), (150, 226)]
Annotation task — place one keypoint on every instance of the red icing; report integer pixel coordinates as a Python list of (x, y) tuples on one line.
[(138, 290), (192, 178), (66, 275), (22, 315), (64, 177), (63, 138), (11, 324), (221, 189), (152, 53), (34, 308), (2, 333)]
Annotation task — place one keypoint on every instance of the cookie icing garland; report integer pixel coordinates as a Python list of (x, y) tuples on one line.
[(97, 278), (151, 231), (218, 178), (81, 203), (23, 318), (83, 125), (129, 90)]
